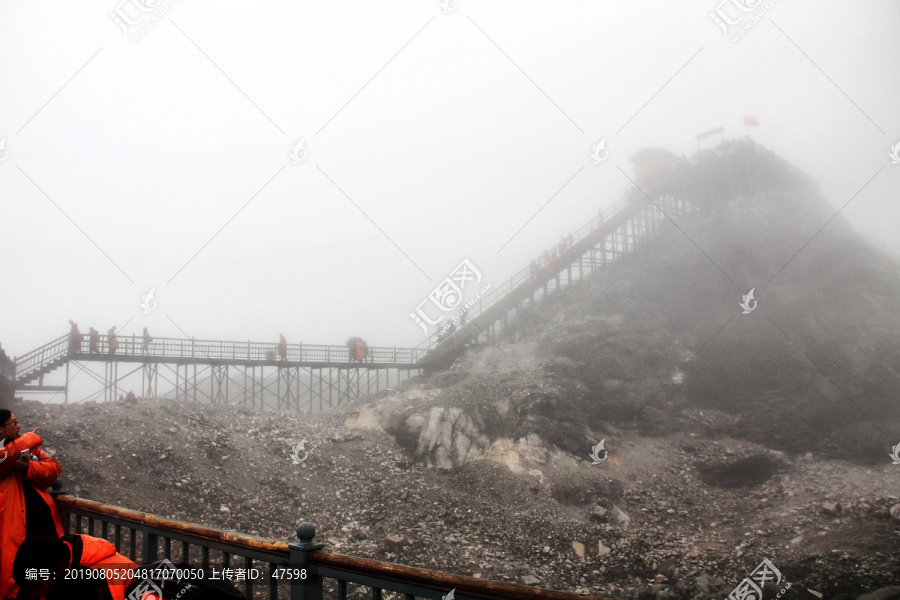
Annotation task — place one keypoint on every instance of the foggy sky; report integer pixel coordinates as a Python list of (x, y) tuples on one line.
[(431, 138)]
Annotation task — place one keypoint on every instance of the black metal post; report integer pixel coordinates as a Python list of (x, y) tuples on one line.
[(150, 549), (311, 587)]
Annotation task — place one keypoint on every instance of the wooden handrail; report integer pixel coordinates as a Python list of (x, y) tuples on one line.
[(338, 562), (439, 579), (148, 520)]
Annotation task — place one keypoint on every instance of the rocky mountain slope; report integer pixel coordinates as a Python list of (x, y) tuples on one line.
[(731, 437), (670, 516)]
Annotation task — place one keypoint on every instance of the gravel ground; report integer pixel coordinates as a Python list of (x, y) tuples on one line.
[(654, 518)]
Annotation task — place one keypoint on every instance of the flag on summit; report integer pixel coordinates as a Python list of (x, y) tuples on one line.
[(750, 122)]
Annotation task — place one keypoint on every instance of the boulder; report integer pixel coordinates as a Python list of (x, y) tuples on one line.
[(393, 543), (895, 513), (578, 547), (621, 517), (829, 508)]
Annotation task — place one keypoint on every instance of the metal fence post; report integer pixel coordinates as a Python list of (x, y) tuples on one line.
[(150, 547), (311, 588)]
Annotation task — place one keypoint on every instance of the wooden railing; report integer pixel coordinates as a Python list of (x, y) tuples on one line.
[(555, 255), (215, 350), (560, 254), (145, 538), (34, 360)]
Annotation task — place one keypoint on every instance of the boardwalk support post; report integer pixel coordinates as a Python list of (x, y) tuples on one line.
[(311, 587)]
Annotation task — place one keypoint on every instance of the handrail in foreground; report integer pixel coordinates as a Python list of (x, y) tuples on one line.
[(320, 565)]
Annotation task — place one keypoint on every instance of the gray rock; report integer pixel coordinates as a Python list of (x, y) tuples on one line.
[(895, 513), (599, 514), (393, 543), (621, 517), (530, 580), (702, 584), (448, 437), (667, 567), (578, 547), (829, 508)]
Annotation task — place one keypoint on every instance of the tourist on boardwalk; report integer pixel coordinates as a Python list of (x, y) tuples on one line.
[(145, 349), (351, 347), (94, 341), (282, 347), (551, 259), (26, 508), (112, 341), (361, 350), (75, 338)]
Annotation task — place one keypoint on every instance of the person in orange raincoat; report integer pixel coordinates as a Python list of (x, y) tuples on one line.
[(77, 553), (361, 349), (112, 340), (282, 347), (94, 345), (26, 508), (75, 338)]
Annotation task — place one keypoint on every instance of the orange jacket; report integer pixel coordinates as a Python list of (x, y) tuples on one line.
[(41, 475), (97, 553)]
